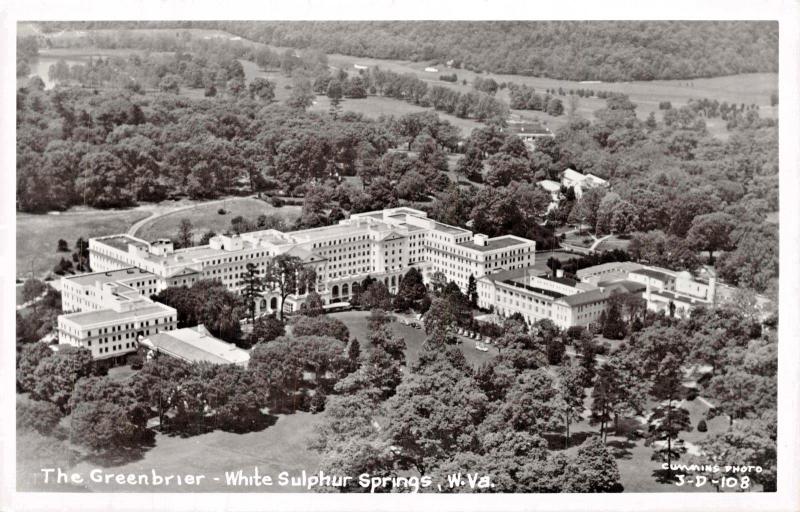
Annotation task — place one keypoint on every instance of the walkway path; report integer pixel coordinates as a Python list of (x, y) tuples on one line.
[(586, 250), (598, 241)]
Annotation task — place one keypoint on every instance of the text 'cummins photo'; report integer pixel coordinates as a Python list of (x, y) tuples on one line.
[(397, 256)]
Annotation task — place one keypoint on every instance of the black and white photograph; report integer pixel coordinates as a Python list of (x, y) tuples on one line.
[(272, 259)]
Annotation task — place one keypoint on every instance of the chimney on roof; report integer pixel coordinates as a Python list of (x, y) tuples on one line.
[(480, 239)]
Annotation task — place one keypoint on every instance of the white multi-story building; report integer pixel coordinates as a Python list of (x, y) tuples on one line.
[(566, 302), (108, 312), (382, 244), (99, 290)]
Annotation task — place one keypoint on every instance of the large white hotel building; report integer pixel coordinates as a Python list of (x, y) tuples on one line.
[(109, 310), (382, 244)]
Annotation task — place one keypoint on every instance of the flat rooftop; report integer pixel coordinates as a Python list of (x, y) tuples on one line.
[(541, 291), (447, 228), (103, 316), (615, 266), (655, 274), (500, 242), (628, 286), (561, 280), (108, 277), (196, 344), (121, 242)]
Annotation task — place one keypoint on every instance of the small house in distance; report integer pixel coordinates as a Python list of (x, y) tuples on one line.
[(528, 131), (431, 69), (360, 67), (579, 182), (554, 189)]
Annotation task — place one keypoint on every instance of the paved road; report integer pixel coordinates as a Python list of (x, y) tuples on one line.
[(586, 250)]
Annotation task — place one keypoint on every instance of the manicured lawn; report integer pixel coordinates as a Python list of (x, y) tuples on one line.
[(356, 322), (282, 446), (205, 217), (580, 240), (121, 373), (38, 234), (612, 243)]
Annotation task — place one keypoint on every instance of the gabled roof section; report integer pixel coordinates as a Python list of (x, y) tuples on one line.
[(589, 297)]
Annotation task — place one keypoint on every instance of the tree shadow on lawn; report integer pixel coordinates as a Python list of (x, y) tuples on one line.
[(120, 455), (620, 448), (245, 425), (556, 441), (663, 476), (628, 427), (253, 424)]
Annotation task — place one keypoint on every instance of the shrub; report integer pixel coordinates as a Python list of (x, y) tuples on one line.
[(136, 362), (317, 402), (277, 202), (221, 211), (574, 332), (701, 426)]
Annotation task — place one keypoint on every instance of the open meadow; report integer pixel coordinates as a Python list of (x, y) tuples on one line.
[(38, 234), (206, 216), (752, 88)]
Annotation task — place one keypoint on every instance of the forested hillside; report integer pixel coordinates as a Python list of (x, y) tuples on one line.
[(573, 50)]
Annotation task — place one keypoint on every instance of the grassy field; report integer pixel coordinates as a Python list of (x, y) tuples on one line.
[(356, 322), (374, 106), (282, 446), (205, 217), (754, 88), (613, 243), (37, 235)]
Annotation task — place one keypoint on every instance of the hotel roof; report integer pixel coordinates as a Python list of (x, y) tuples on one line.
[(624, 285), (108, 277), (655, 274), (196, 344), (492, 244), (561, 280), (502, 275), (447, 228), (534, 289), (121, 242), (580, 299), (624, 266), (103, 316)]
